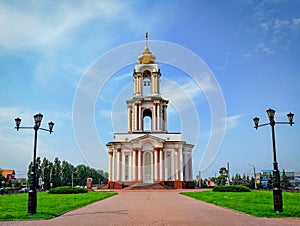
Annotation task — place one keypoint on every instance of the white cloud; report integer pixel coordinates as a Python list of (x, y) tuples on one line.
[(232, 121), (123, 76), (295, 23), (275, 31), (25, 26), (106, 113), (179, 95), (262, 48)]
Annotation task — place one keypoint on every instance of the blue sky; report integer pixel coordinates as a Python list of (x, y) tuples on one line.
[(251, 47)]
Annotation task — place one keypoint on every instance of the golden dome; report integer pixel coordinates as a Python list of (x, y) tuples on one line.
[(146, 57)]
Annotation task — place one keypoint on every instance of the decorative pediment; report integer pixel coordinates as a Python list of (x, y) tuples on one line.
[(147, 137), (156, 142)]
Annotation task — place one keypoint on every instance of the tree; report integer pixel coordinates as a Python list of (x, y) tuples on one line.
[(2, 179), (67, 171), (252, 183), (270, 182), (46, 168), (222, 179), (56, 172), (285, 183), (37, 170), (237, 180)]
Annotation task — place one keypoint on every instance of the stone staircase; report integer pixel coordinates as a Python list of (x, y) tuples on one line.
[(142, 186)]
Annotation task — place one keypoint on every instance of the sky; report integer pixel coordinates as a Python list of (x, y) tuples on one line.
[(249, 49)]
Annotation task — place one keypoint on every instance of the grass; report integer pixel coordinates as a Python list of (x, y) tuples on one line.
[(14, 207), (256, 203)]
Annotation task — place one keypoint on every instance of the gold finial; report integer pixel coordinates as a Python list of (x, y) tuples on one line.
[(146, 57), (147, 39)]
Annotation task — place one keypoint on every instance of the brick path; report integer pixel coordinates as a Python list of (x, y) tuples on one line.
[(155, 208)]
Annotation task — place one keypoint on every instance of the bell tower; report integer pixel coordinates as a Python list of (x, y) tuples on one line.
[(148, 153), (147, 110)]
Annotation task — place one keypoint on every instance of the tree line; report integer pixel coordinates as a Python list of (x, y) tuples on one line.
[(62, 173)]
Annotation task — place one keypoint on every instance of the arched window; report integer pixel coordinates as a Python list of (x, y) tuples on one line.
[(147, 120), (148, 168), (146, 83)]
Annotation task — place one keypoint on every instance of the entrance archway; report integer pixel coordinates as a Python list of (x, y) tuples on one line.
[(148, 167)]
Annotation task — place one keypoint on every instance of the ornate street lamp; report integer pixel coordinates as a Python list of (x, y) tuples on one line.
[(32, 198), (277, 192)]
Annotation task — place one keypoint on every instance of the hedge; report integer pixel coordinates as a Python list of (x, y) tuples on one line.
[(67, 190), (231, 188)]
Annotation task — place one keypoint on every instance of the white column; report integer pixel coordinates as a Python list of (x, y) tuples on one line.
[(165, 114), (154, 117), (190, 168), (166, 165), (123, 166), (128, 118), (110, 166), (158, 83), (155, 165), (154, 84), (135, 117), (118, 166), (158, 117), (139, 165), (176, 164), (173, 165), (187, 167), (140, 85), (129, 166), (161, 165), (113, 175), (180, 165), (140, 117), (134, 165), (135, 85)]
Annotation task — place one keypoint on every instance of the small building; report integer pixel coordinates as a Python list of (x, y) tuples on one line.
[(293, 177), (8, 174), (265, 176)]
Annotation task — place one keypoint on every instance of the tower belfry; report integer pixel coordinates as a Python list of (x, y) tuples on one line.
[(147, 104), (148, 153)]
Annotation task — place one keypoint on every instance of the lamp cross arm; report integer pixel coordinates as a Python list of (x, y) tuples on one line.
[(24, 127), (285, 123), (48, 130), (265, 124)]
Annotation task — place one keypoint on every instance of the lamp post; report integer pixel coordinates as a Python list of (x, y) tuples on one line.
[(32, 198), (277, 192)]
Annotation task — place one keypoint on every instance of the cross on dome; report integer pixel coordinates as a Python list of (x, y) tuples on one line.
[(146, 57)]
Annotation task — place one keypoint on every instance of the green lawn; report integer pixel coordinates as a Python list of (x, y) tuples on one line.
[(49, 205), (256, 203)]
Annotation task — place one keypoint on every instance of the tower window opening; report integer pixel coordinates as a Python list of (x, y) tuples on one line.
[(147, 120), (147, 83), (147, 123)]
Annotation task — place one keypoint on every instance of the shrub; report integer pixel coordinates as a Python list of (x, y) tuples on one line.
[(67, 190), (231, 188)]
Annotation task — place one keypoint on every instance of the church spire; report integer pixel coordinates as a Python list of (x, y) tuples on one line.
[(146, 39), (147, 57)]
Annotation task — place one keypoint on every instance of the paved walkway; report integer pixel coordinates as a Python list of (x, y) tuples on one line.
[(155, 208)]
